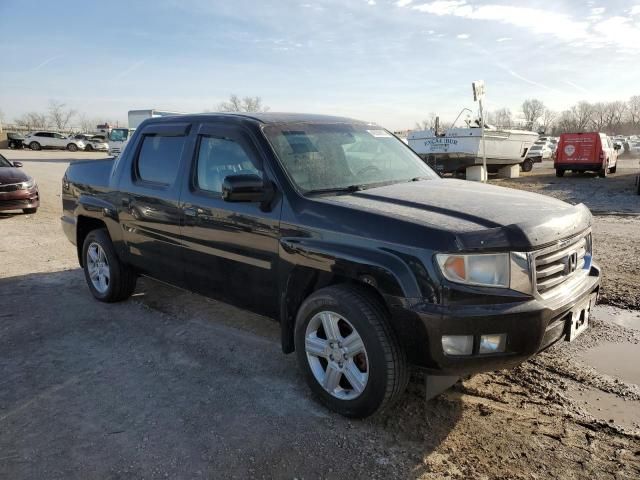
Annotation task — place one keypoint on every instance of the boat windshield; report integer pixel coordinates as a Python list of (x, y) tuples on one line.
[(323, 157)]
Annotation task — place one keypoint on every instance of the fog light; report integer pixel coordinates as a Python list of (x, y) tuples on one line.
[(493, 343), (457, 344)]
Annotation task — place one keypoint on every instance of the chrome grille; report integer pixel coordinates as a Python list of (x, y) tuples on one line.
[(557, 264)]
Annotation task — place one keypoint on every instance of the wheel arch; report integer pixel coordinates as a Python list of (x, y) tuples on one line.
[(309, 266)]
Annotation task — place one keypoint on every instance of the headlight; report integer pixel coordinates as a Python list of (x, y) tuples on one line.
[(490, 270), (28, 184)]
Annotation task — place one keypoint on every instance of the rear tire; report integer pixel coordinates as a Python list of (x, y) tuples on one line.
[(108, 278), (30, 210), (381, 359), (527, 165), (88, 148), (35, 146), (603, 172), (72, 147), (559, 172), (613, 169)]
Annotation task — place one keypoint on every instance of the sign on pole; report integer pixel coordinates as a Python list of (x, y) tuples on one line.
[(478, 96)]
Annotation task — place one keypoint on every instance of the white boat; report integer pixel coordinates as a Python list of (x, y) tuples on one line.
[(458, 148)]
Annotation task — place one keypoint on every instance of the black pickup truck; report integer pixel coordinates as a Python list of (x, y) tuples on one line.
[(368, 259)]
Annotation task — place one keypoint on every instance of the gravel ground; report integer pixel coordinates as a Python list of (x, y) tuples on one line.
[(173, 385)]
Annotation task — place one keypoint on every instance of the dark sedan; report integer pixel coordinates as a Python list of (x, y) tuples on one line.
[(18, 191)]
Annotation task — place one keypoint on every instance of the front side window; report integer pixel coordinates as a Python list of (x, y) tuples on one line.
[(4, 162), (219, 157), (320, 156), (159, 158)]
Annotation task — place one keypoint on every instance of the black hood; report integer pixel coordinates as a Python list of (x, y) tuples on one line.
[(481, 216), (12, 175)]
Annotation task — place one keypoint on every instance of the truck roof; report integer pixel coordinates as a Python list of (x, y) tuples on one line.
[(261, 117)]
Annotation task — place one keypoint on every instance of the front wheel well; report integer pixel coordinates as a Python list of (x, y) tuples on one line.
[(85, 225), (304, 282)]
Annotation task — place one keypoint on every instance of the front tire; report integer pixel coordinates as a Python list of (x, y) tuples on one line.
[(88, 148), (108, 278), (35, 146), (30, 210), (348, 352), (72, 147), (527, 165), (613, 169)]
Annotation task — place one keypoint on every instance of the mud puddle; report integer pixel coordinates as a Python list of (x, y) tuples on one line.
[(619, 360), (605, 406), (625, 318)]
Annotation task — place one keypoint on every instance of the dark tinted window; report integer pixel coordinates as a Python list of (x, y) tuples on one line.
[(159, 158), (219, 157)]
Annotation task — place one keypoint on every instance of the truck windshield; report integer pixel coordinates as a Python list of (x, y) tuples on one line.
[(331, 157), (119, 134)]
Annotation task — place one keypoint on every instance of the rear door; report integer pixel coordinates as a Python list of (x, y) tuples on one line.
[(149, 197), (579, 148), (231, 249)]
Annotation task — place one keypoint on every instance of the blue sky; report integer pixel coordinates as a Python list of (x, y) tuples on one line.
[(391, 62)]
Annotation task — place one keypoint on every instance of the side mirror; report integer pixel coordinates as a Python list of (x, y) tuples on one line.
[(246, 188), (17, 164)]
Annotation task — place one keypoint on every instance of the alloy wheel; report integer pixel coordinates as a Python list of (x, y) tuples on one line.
[(98, 267), (336, 355)]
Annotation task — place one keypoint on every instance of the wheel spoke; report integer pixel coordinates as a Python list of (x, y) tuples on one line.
[(331, 378), (93, 273), (355, 377), (330, 326), (353, 344), (93, 254), (315, 346)]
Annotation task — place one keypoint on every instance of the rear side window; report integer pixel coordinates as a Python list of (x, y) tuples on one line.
[(159, 158), (219, 157)]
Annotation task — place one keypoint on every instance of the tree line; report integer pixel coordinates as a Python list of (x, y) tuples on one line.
[(618, 117), (59, 116)]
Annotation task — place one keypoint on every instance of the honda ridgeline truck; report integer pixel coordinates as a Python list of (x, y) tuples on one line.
[(369, 260)]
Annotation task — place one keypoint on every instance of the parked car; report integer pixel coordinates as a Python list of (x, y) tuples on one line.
[(634, 148), (536, 153), (40, 140), (370, 262), (15, 140), (96, 143), (18, 191), (581, 152)]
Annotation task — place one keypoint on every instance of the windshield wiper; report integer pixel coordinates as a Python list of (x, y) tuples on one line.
[(348, 189)]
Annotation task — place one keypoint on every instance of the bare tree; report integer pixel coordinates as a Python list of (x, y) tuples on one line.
[(428, 124), (86, 124), (501, 118), (532, 109), (633, 111), (59, 114), (547, 120), (599, 115), (32, 120), (582, 115), (246, 104)]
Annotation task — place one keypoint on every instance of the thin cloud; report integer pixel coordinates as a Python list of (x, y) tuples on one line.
[(130, 69), (44, 63), (503, 39), (577, 87), (525, 79), (462, 36)]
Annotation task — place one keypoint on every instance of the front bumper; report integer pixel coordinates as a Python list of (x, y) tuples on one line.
[(19, 199), (531, 326)]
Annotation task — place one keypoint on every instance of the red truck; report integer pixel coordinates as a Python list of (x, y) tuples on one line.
[(588, 151)]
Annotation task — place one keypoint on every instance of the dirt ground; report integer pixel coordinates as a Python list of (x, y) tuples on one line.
[(173, 385)]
